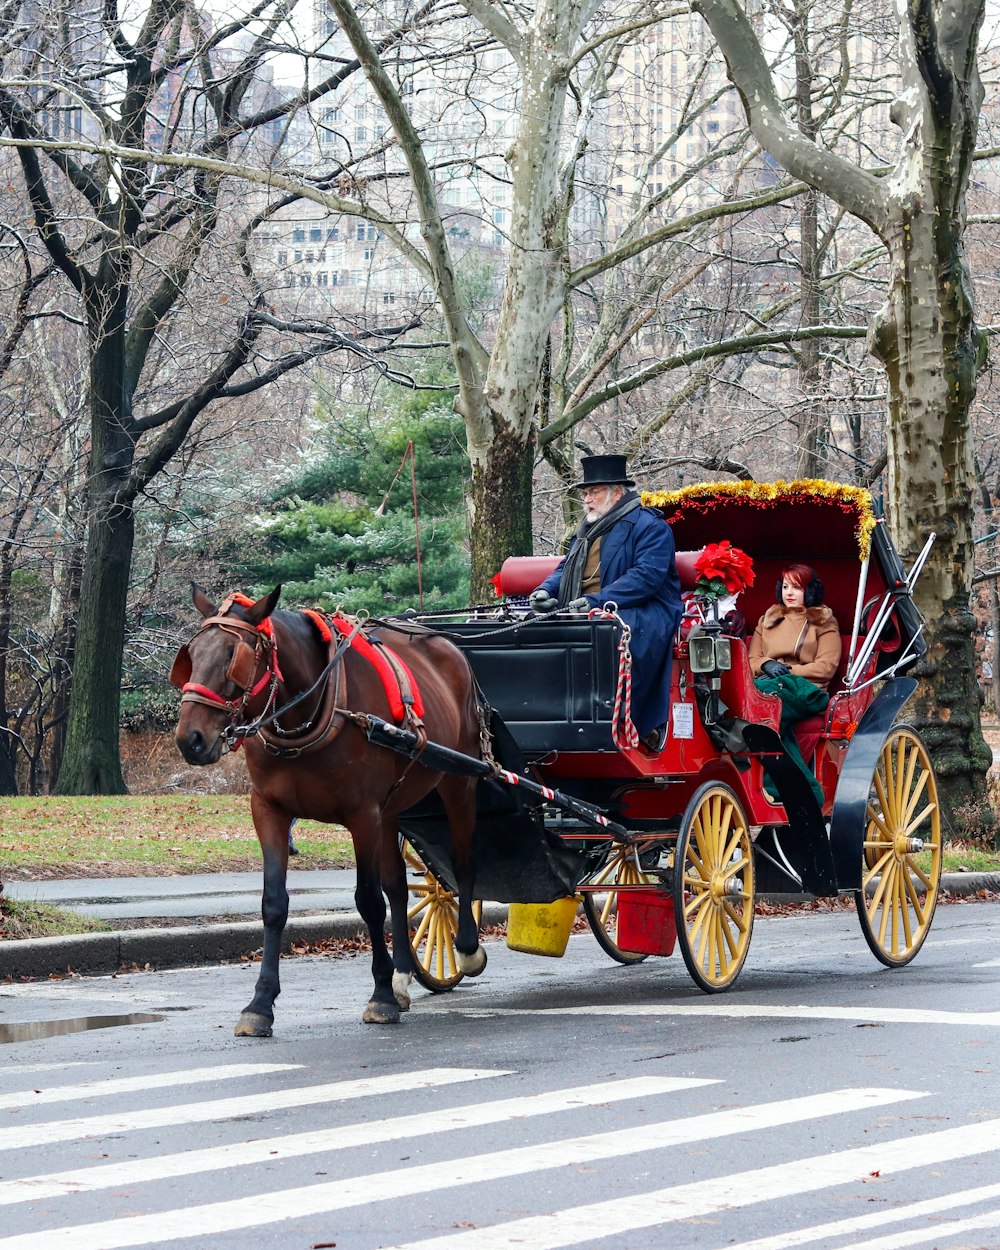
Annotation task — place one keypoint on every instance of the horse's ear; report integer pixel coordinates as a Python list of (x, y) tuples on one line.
[(263, 608), (201, 601)]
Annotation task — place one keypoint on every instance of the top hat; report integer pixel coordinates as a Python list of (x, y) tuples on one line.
[(604, 471)]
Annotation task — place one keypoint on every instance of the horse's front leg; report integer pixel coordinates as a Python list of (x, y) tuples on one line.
[(459, 797), (366, 830), (272, 825)]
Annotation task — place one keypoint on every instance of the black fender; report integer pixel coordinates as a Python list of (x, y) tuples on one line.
[(850, 804)]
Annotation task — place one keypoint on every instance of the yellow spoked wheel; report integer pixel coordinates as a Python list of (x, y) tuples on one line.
[(433, 921), (901, 859), (714, 887), (601, 907)]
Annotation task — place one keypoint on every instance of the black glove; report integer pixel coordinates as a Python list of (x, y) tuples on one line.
[(578, 605), (775, 668), (541, 601)]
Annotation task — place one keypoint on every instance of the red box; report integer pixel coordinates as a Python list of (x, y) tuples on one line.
[(646, 922)]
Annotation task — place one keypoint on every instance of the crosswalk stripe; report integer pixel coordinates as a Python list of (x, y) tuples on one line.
[(273, 1207), (132, 1084), (750, 1011), (25, 1135), (696, 1200), (347, 1137), (936, 1233), (859, 1224)]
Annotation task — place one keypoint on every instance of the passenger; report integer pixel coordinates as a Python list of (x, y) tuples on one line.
[(794, 654), (624, 553)]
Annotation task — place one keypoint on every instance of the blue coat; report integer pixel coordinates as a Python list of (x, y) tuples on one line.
[(639, 574)]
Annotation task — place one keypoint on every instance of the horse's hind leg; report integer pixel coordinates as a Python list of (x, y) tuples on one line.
[(257, 1017), (382, 1007), (394, 885), (459, 797)]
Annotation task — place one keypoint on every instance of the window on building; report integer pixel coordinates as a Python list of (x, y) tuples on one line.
[(282, 258), (369, 253), (333, 234), (713, 127), (388, 297), (297, 257), (321, 279), (299, 234), (316, 234), (360, 134), (305, 279), (361, 231)]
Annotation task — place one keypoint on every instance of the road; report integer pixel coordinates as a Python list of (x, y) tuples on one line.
[(825, 1102)]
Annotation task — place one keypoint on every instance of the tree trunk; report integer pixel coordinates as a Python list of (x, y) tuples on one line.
[(91, 761), (501, 506), (928, 341)]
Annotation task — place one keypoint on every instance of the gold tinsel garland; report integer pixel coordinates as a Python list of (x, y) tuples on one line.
[(851, 499)]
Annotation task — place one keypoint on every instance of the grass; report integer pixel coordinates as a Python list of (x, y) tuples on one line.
[(147, 835), (19, 919)]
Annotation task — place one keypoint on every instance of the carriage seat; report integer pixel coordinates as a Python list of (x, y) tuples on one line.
[(520, 575)]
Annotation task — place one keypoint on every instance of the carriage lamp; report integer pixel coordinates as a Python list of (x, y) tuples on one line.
[(709, 653)]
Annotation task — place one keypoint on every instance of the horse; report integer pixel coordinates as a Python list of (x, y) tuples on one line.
[(295, 687)]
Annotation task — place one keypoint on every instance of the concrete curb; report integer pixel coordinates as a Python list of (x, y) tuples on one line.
[(95, 954)]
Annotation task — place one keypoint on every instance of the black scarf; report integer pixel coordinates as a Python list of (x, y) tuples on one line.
[(571, 583)]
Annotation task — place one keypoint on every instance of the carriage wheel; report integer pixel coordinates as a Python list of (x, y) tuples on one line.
[(433, 921), (901, 864), (601, 908), (714, 887)]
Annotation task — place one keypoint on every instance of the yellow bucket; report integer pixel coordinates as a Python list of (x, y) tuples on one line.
[(541, 928)]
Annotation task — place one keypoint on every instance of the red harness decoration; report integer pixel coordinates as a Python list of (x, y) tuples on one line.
[(389, 683)]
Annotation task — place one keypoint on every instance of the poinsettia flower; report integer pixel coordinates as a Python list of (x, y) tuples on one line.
[(723, 568)]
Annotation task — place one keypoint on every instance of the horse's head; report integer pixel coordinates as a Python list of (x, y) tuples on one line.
[(229, 661)]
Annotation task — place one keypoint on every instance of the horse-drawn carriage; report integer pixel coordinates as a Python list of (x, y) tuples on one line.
[(695, 837), (541, 795)]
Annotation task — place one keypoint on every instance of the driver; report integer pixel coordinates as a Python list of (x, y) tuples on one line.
[(623, 553)]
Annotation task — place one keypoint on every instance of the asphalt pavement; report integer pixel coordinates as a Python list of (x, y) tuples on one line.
[(218, 918)]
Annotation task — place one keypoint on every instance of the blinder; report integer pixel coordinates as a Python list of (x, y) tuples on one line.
[(242, 666)]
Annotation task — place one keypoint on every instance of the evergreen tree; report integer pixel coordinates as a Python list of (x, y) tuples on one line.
[(323, 540)]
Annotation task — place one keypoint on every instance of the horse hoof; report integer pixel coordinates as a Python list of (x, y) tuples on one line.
[(401, 989), (250, 1024), (472, 965), (381, 1013)]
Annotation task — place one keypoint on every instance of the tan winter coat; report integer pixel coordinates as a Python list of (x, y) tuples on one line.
[(806, 638)]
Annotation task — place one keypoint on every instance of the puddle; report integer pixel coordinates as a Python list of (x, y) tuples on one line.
[(34, 1029)]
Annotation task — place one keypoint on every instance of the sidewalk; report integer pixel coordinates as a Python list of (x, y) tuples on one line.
[(322, 906)]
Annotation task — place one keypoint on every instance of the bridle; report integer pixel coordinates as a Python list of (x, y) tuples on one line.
[(253, 642)]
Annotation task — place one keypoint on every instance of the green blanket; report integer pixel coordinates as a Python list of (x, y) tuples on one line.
[(800, 699)]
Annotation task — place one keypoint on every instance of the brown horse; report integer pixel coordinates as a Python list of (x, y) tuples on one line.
[(296, 686)]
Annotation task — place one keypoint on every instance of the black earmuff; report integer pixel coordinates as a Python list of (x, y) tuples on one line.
[(811, 599)]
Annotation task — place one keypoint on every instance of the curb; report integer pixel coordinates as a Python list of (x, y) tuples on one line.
[(96, 954)]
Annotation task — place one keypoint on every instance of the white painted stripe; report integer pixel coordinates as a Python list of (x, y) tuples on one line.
[(25, 1069), (25, 1135), (133, 1084), (275, 1207), (860, 1224), (696, 1200), (347, 1137), (749, 1011), (988, 963), (936, 1233)]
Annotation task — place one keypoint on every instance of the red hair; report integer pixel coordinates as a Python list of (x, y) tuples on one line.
[(798, 575)]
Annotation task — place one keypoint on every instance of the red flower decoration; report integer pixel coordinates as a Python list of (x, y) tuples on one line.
[(723, 570)]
